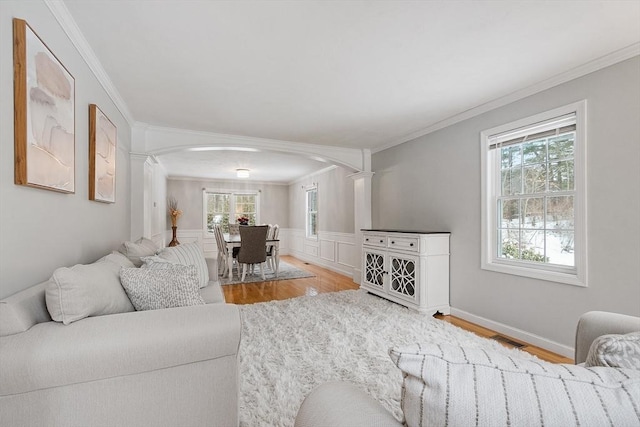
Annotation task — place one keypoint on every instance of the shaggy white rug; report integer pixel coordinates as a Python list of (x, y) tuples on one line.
[(289, 347)]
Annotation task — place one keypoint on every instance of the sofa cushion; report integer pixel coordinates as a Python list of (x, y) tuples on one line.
[(139, 248), (155, 288), (86, 290), (108, 347), (452, 385), (617, 351), (187, 254)]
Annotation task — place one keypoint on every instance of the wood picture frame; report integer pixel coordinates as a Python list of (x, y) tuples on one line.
[(103, 140), (44, 114)]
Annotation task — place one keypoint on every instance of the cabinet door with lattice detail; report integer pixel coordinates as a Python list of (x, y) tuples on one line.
[(375, 268), (403, 276)]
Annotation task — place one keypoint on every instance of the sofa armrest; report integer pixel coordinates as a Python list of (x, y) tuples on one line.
[(341, 404), (212, 267), (51, 354), (596, 323)]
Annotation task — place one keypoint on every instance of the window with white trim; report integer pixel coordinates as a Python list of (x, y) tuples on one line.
[(311, 209), (533, 184), (227, 207)]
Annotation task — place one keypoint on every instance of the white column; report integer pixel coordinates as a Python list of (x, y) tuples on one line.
[(362, 209), (140, 195)]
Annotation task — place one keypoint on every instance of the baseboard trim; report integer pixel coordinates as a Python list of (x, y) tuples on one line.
[(519, 334)]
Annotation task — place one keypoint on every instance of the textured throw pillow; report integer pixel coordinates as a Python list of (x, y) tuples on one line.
[(456, 386), (152, 289), (617, 351), (86, 290), (188, 254), (139, 248)]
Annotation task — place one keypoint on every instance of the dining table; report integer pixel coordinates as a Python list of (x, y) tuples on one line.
[(233, 241)]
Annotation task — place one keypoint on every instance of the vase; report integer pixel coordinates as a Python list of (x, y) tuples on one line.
[(174, 240)]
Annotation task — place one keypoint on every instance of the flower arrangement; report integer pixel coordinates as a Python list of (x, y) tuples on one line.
[(243, 220), (174, 212)]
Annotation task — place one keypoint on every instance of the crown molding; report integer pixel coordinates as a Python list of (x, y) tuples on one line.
[(71, 29), (582, 70)]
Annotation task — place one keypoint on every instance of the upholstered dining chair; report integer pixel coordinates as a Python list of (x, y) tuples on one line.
[(234, 228), (252, 249)]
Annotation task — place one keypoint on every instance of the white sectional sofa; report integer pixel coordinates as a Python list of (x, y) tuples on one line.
[(168, 367)]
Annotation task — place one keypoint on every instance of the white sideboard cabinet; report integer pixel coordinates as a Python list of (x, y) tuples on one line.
[(407, 267)]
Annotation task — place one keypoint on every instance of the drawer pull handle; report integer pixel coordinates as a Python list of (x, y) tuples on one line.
[(393, 242), (411, 244), (381, 241), (366, 240)]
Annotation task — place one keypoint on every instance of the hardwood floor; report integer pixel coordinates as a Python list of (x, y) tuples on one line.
[(330, 281)]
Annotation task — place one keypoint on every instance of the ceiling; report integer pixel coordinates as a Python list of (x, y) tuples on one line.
[(355, 74)]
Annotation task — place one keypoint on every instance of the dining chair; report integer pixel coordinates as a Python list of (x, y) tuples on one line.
[(271, 251), (234, 228), (223, 252), (252, 248)]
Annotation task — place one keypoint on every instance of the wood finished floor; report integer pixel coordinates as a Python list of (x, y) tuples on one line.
[(330, 281)]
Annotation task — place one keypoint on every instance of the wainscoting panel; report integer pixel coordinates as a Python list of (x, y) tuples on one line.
[(328, 250), (335, 251)]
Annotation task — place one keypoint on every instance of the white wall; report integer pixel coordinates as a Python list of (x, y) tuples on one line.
[(433, 183), (42, 230)]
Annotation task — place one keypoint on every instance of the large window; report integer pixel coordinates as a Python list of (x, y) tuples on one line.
[(312, 211), (533, 201), (225, 207)]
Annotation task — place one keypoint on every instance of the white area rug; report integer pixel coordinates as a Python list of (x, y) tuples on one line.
[(285, 272), (289, 347)]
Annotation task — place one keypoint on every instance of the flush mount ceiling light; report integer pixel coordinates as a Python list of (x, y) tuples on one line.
[(242, 173)]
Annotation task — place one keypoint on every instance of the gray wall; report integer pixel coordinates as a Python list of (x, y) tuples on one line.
[(41, 230), (335, 201), (433, 183), (274, 203)]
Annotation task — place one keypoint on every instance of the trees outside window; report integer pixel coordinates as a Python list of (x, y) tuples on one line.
[(312, 212), (225, 207)]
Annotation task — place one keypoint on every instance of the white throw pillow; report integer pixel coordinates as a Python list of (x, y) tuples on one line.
[(118, 258), (187, 254), (86, 290), (456, 386), (617, 351), (156, 288), (140, 248)]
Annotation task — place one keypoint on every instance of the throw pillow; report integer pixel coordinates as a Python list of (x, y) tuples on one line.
[(456, 386), (139, 248), (151, 289), (86, 290), (118, 258), (188, 254), (617, 351)]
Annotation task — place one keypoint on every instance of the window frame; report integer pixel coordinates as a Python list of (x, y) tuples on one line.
[(232, 204), (307, 213), (490, 185)]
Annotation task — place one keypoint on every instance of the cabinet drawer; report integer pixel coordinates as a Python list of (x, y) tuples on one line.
[(411, 244), (376, 240)]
